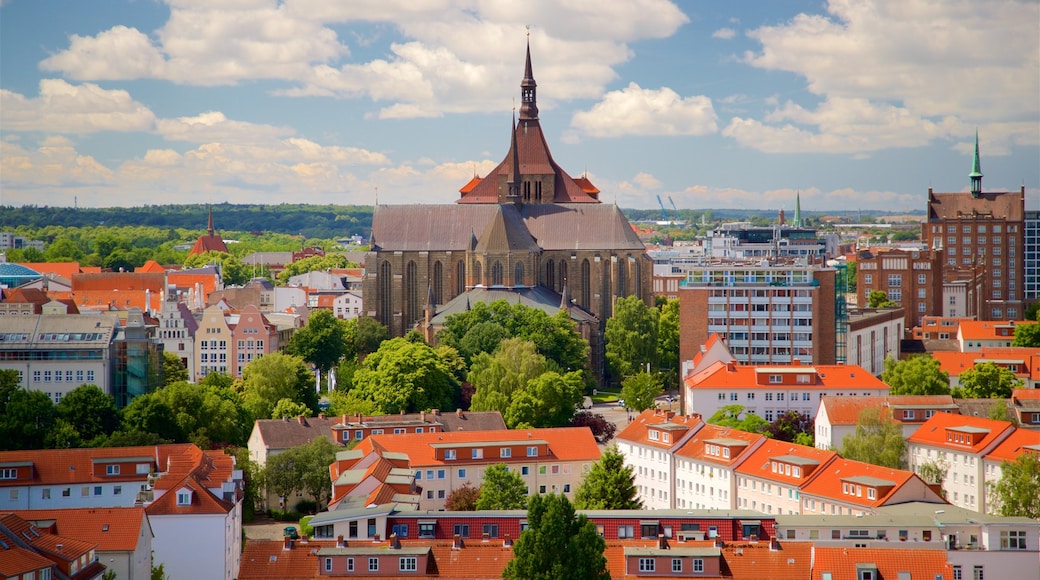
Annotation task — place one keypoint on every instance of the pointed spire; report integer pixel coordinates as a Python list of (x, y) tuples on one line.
[(209, 227), (513, 195), (976, 170), (797, 209), (565, 302), (528, 89), (429, 297)]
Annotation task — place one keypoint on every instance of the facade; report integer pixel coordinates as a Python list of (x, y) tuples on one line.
[(874, 336), (913, 278), (973, 336), (526, 224), (1023, 362), (1032, 255), (176, 331), (838, 416), (983, 230), (649, 444), (766, 313), (773, 477), (704, 476), (347, 306), (227, 340)]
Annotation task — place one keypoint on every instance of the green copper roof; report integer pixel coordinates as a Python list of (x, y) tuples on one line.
[(976, 165), (798, 209)]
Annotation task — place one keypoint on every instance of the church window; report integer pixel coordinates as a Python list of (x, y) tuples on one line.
[(518, 274), (386, 305), (586, 284), (527, 191), (438, 282), (550, 276), (460, 277), (496, 274), (538, 192), (622, 277), (411, 285), (478, 274)]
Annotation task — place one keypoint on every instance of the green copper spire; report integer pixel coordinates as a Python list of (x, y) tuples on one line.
[(797, 210), (976, 170)]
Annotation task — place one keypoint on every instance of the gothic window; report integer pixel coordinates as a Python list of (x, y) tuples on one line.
[(386, 304), (538, 192), (527, 191), (478, 274), (586, 284), (438, 283), (496, 274), (605, 293), (550, 276), (622, 277), (411, 285), (518, 274), (460, 277)]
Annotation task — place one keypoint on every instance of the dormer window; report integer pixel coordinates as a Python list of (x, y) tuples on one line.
[(776, 379), (112, 470), (654, 435), (871, 493), (908, 414), (449, 454), (184, 497), (725, 452), (796, 471)]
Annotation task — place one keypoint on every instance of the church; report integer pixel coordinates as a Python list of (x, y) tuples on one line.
[(527, 231)]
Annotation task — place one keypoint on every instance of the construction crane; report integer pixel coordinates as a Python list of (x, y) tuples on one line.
[(664, 214), (674, 208)]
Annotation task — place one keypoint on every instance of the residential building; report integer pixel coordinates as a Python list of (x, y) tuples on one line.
[(973, 336), (10, 241), (1023, 362), (549, 461), (983, 230), (103, 291), (527, 224), (772, 478), (1031, 255), (176, 331), (649, 443), (963, 288), (26, 553), (22, 301), (875, 564), (1026, 407), (1019, 444), (938, 328), (258, 292), (123, 535), (838, 416), (854, 488), (704, 467), (956, 445), (913, 278), (874, 335), (347, 306), (767, 313), (227, 340)]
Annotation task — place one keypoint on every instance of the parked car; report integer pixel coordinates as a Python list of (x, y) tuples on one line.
[(291, 533)]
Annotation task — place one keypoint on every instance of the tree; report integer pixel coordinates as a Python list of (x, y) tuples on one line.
[(917, 375), (668, 342), (89, 411), (1027, 335), (878, 440), (173, 369), (9, 384), (150, 414), (850, 276), (793, 427), (405, 376), (315, 458), (879, 299), (27, 419), (323, 342), (557, 544), (602, 429), (934, 472), (63, 250), (368, 334), (988, 381), (313, 264), (284, 473), (631, 336), (1017, 492), (287, 408), (735, 417), (232, 271), (609, 485), (548, 400), (207, 415), (497, 376), (274, 377), (640, 391), (502, 489), (252, 480), (463, 498)]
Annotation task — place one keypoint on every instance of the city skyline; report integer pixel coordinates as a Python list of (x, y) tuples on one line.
[(854, 105)]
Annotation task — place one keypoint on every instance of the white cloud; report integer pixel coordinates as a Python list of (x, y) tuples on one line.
[(214, 126), (65, 108), (637, 111), (54, 163), (919, 70), (724, 33), (116, 54)]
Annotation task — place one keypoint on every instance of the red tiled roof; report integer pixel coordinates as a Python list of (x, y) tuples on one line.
[(720, 375), (694, 447), (565, 443), (1026, 394), (1010, 449), (846, 410), (202, 501), (987, 329), (829, 482), (933, 431), (639, 429), (150, 266), (841, 562), (72, 466), (114, 529), (758, 562), (758, 463), (122, 281), (955, 363), (15, 561), (63, 269), (207, 243)]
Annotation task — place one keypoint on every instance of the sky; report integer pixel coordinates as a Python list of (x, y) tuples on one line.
[(851, 104)]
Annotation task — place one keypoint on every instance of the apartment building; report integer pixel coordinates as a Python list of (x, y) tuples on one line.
[(772, 478), (704, 467), (874, 335), (913, 278), (857, 488), (1023, 362), (226, 340), (838, 416), (649, 444), (973, 336)]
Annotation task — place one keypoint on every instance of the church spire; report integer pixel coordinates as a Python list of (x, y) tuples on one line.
[(528, 89), (797, 210), (513, 195), (209, 226), (976, 170)]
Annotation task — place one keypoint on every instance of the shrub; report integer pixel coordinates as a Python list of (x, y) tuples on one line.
[(306, 506), (306, 530), (285, 516)]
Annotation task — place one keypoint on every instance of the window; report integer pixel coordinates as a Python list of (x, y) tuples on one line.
[(505, 452), (112, 470), (525, 470), (67, 492), (441, 474), (978, 574), (373, 564), (477, 454), (676, 564), (491, 530), (328, 564), (350, 564), (407, 564), (958, 574), (462, 473), (461, 530), (625, 531), (8, 473), (183, 498), (97, 490), (776, 379), (400, 530), (359, 434), (449, 454), (1013, 540), (532, 451), (427, 529), (647, 565)]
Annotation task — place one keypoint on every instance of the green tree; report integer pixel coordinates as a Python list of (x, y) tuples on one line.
[(1027, 335), (850, 276), (668, 342), (284, 473), (557, 544), (878, 440), (89, 411), (793, 427), (252, 479), (934, 472), (548, 400), (316, 457), (9, 384), (917, 375), (173, 369), (233, 272), (502, 489), (497, 376), (274, 377), (735, 417), (405, 376), (63, 250), (463, 498), (988, 381), (640, 391), (287, 408), (1017, 492), (314, 263), (609, 485), (631, 336), (366, 335), (27, 418), (879, 299), (64, 436), (323, 342), (482, 337), (150, 414), (208, 415)]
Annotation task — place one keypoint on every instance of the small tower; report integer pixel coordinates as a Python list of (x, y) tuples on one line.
[(976, 170), (528, 90), (797, 210), (513, 185), (780, 220), (209, 225), (428, 314)]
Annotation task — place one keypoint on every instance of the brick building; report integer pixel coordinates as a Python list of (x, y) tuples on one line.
[(913, 278)]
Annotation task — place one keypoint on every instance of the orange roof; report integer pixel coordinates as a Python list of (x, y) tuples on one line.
[(846, 410), (638, 431), (955, 363), (150, 266), (813, 461), (841, 562), (933, 431), (207, 243), (694, 447), (15, 561), (988, 329), (1010, 449), (202, 501), (1025, 395), (565, 443), (757, 561), (122, 281), (720, 375), (470, 185), (63, 269), (885, 480), (71, 466), (114, 529)]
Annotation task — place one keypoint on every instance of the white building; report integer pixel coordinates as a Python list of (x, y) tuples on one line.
[(649, 443), (704, 476), (346, 306), (873, 336), (838, 416)]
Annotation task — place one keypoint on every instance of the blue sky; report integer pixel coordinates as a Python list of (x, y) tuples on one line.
[(857, 104)]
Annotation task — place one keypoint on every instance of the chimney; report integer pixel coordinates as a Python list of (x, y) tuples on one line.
[(661, 543), (321, 415), (436, 412), (301, 419), (719, 543), (774, 543), (340, 543), (60, 546), (507, 541), (375, 539), (456, 542), (422, 416), (395, 544), (796, 362), (345, 419), (486, 537), (458, 413), (287, 543)]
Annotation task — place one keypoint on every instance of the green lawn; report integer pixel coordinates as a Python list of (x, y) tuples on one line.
[(605, 397)]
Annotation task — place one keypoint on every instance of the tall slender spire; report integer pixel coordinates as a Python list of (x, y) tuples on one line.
[(513, 195), (976, 170), (797, 210), (209, 226), (528, 90)]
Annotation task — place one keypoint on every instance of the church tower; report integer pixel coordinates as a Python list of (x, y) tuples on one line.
[(976, 171)]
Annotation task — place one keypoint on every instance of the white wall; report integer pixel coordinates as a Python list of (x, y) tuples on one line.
[(191, 546), (31, 497)]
